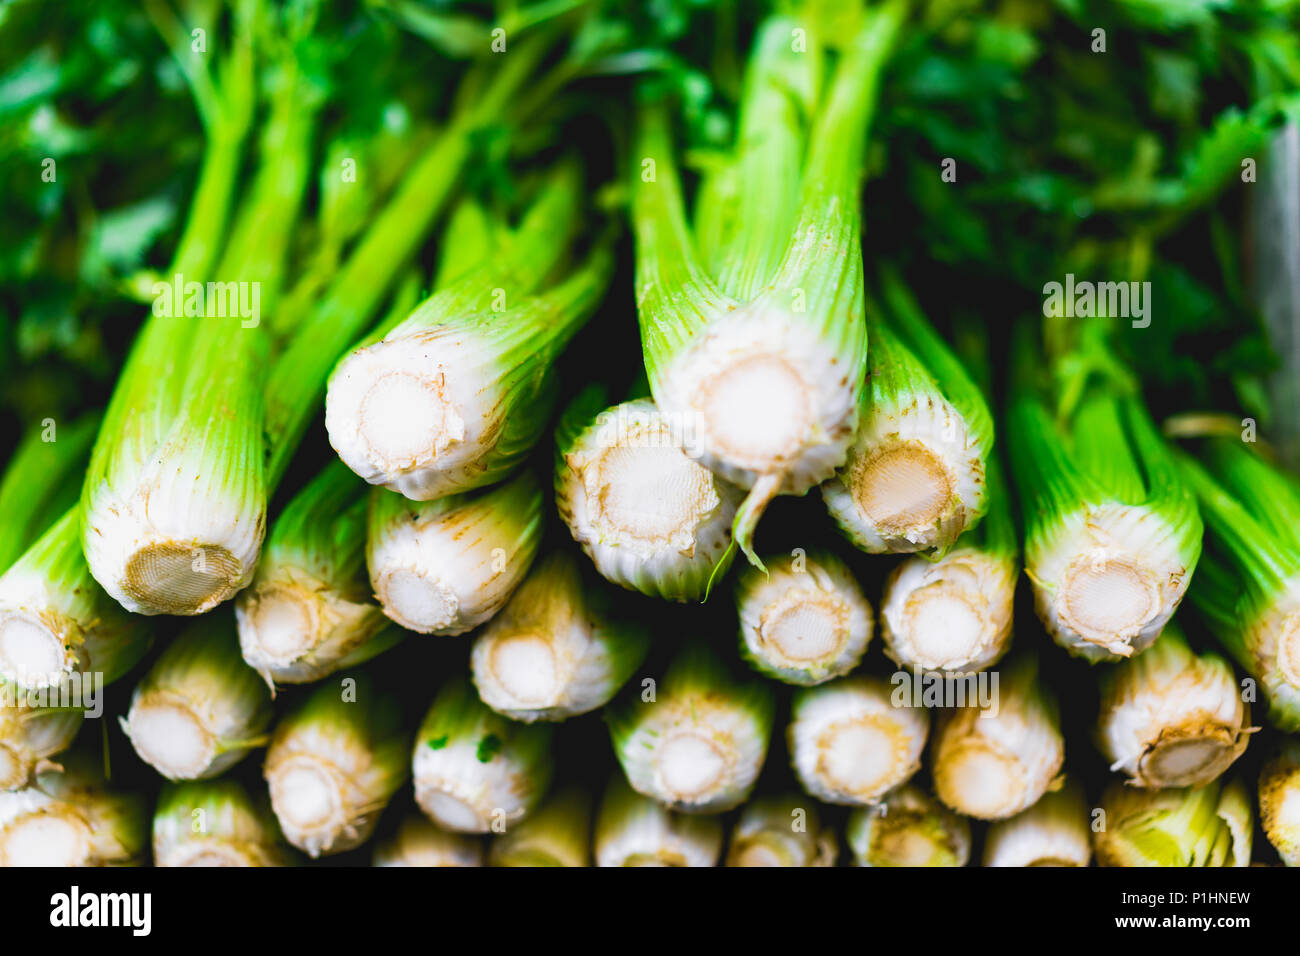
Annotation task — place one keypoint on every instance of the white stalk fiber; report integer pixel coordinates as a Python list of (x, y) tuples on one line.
[(333, 764), (698, 744), (174, 506), (781, 831), (650, 518), (57, 626), (216, 824), (633, 830), (805, 621), (750, 397), (953, 615), (295, 630), (1053, 832), (321, 806), (914, 478), (30, 737), (447, 566), (464, 794), (1279, 801), (1171, 718), (174, 544), (554, 651), (394, 411), (991, 764), (908, 828), (850, 744), (759, 369), (309, 610), (452, 397), (1109, 578), (418, 842), (68, 818), (200, 709), (475, 771)]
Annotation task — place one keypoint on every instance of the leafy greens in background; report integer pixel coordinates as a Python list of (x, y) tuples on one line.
[(1116, 165), (98, 145), (1122, 164)]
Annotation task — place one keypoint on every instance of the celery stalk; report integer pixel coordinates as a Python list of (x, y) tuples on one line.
[(764, 392)]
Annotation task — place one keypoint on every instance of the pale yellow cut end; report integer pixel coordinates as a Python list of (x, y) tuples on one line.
[(451, 812), (980, 782), (174, 578), (863, 757), (285, 623), (12, 773), (691, 766), (171, 738), (1189, 756), (945, 627), (31, 653), (525, 667), (646, 488), (757, 855), (902, 487), (1288, 651), (1288, 809), (761, 850), (417, 602), (756, 411), (1279, 809), (45, 839), (904, 845), (1109, 597), (407, 418), (1052, 861), (307, 800), (804, 627)]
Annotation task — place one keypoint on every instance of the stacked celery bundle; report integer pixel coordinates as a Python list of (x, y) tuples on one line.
[(472, 561), (311, 207)]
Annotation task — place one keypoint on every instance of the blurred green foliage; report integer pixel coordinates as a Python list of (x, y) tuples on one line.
[(97, 147), (1116, 163), (1119, 164)]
